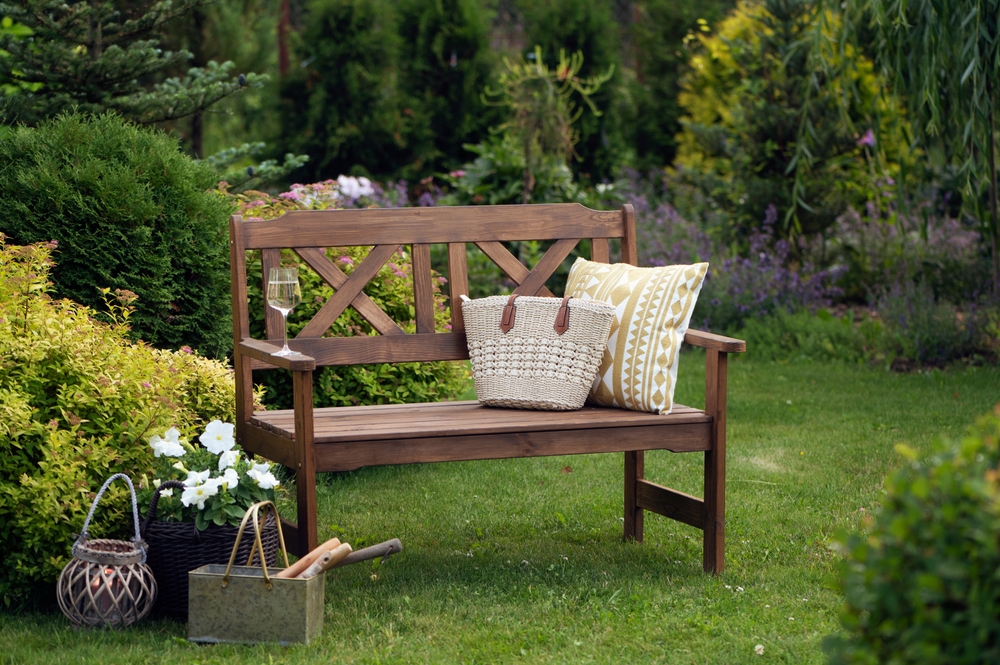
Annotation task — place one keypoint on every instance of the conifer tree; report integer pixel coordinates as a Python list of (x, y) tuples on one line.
[(98, 55)]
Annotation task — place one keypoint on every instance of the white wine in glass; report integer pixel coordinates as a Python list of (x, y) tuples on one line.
[(283, 294)]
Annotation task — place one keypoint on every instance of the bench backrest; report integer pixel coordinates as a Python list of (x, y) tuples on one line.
[(308, 232)]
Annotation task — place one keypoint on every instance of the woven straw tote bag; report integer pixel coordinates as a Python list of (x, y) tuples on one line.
[(535, 353)]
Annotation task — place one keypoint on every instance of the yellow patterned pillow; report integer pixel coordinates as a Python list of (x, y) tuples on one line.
[(653, 307)]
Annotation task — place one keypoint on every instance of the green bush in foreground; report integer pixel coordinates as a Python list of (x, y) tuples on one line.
[(129, 212), (77, 401), (922, 584)]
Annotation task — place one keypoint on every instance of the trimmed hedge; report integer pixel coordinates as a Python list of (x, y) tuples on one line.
[(130, 212)]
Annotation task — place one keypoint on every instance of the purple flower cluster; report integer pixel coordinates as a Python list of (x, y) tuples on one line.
[(764, 278)]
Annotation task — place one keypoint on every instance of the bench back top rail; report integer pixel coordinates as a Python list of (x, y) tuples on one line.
[(309, 232)]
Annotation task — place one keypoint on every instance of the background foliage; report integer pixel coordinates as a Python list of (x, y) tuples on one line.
[(100, 56), (745, 101)]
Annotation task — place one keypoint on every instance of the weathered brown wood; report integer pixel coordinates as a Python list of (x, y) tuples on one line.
[(241, 324), (305, 460), (671, 503), (707, 340), (270, 258), (458, 283), (445, 224), (318, 260), (342, 299), (509, 264), (599, 250), (380, 349), (266, 443), (402, 421), (290, 530), (312, 441), (634, 471), (346, 456), (629, 252), (264, 352), (715, 462), (550, 261), (423, 288)]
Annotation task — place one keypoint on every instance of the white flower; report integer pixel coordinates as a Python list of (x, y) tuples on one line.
[(353, 188), (197, 478), (266, 481), (218, 437), (157, 482), (759, 649), (200, 494), (230, 479), (228, 459), (179, 466), (263, 467), (169, 444)]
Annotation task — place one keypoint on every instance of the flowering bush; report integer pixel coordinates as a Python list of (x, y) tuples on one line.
[(922, 245), (220, 481), (765, 278), (77, 398)]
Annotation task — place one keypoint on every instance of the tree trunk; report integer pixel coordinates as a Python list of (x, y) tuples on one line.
[(994, 214), (283, 21), (529, 176), (197, 136), (94, 29)]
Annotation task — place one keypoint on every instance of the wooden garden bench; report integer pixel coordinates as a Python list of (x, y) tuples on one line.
[(311, 440)]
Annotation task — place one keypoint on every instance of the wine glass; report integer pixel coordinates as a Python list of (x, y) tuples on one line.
[(283, 294)]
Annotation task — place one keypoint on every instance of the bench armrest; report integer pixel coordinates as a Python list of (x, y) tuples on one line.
[(264, 351), (707, 340)]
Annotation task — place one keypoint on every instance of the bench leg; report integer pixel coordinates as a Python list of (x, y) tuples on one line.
[(633, 513), (305, 465), (715, 463)]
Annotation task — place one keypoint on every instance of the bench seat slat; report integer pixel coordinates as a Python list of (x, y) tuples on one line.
[(447, 419), (352, 455)]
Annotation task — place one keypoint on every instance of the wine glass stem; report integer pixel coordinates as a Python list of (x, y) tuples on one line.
[(284, 320)]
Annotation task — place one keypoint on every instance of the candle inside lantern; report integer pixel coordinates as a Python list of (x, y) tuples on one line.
[(104, 589)]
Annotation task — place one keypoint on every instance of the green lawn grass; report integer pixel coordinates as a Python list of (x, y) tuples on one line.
[(522, 560)]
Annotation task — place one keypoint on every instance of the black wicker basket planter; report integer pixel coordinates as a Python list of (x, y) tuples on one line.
[(178, 547)]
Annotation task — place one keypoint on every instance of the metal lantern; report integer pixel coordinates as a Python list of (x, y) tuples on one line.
[(108, 582)]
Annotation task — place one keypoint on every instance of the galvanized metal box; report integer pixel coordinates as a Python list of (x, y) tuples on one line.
[(245, 604), (245, 610)]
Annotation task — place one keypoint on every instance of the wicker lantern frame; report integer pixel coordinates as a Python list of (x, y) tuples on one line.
[(107, 584)]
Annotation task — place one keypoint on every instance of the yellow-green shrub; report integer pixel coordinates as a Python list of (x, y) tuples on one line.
[(77, 400)]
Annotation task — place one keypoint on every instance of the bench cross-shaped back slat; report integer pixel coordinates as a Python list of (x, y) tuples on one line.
[(308, 233)]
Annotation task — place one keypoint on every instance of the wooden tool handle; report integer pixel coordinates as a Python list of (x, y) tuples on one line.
[(373, 552), (299, 567), (317, 566), (338, 555)]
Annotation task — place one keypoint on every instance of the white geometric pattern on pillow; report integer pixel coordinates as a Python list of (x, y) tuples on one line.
[(653, 308)]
